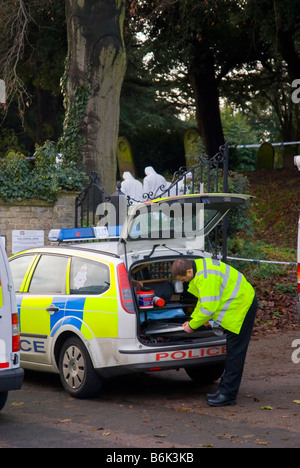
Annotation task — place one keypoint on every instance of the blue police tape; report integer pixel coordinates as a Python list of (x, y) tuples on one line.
[(257, 145), (260, 261)]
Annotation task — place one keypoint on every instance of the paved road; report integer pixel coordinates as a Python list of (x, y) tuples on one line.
[(162, 410)]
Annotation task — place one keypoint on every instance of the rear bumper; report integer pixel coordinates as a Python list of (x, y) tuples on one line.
[(167, 358), (298, 307), (162, 366), (11, 379)]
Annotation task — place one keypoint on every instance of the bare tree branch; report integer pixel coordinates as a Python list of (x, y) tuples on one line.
[(14, 21)]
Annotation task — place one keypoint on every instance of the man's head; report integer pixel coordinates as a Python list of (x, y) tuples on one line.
[(182, 270)]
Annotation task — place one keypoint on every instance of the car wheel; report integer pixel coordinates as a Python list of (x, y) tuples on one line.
[(3, 398), (206, 374), (77, 373)]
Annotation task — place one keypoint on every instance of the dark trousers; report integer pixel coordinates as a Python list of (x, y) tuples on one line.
[(236, 350)]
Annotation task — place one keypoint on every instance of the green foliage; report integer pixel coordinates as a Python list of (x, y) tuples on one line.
[(238, 131), (72, 141), (20, 179), (8, 140), (15, 177), (259, 250), (243, 248), (238, 217)]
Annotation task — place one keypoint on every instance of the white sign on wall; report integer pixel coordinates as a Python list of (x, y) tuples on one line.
[(27, 239)]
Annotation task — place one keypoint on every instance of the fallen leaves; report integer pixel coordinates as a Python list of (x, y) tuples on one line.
[(276, 311), (262, 442), (184, 408), (276, 224), (239, 439)]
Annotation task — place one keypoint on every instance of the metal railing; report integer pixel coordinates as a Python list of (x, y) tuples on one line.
[(87, 201), (207, 176)]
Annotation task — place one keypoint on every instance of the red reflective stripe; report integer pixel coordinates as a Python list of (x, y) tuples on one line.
[(4, 365)]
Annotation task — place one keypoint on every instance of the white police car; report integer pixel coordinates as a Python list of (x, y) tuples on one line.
[(89, 306), (11, 375)]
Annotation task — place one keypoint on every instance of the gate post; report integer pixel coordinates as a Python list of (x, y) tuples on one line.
[(97, 194)]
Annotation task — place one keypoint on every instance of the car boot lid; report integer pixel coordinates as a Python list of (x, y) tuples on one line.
[(175, 224)]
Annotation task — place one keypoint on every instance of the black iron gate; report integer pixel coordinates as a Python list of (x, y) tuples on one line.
[(87, 201), (207, 176)]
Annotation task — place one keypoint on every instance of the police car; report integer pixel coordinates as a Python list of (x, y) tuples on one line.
[(101, 301), (11, 375)]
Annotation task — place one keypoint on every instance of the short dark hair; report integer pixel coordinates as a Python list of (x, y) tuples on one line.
[(180, 267)]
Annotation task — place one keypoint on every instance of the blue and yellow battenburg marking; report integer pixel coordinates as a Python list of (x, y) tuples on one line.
[(89, 315), (93, 317)]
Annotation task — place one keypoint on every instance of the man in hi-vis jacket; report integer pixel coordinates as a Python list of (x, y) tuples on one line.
[(225, 296)]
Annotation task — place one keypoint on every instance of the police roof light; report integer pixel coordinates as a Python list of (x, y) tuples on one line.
[(78, 234), (61, 235)]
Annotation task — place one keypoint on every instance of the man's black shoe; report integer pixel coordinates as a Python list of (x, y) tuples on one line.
[(221, 400), (213, 395)]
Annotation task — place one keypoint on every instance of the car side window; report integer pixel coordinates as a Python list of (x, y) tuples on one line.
[(49, 276), (88, 277), (19, 267)]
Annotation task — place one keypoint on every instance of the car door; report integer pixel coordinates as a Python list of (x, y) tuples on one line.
[(41, 302), (92, 304)]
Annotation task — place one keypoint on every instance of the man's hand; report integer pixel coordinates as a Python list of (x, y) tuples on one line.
[(187, 328)]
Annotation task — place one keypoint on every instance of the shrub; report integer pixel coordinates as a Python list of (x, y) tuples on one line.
[(20, 178)]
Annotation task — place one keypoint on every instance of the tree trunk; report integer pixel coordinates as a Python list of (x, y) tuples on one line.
[(96, 68), (203, 82)]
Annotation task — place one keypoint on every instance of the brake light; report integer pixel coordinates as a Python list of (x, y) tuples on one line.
[(125, 290), (298, 278), (15, 333)]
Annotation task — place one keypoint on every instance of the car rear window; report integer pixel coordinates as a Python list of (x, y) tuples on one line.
[(88, 277), (49, 276)]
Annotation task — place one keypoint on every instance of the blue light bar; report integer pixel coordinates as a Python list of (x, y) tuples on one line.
[(87, 233), (61, 235)]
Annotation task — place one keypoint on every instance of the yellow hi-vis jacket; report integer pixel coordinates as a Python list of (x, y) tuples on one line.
[(224, 295)]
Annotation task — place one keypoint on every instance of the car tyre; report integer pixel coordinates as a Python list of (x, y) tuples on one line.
[(3, 398), (205, 374), (76, 370)]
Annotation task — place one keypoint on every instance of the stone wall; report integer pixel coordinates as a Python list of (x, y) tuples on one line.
[(36, 215)]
